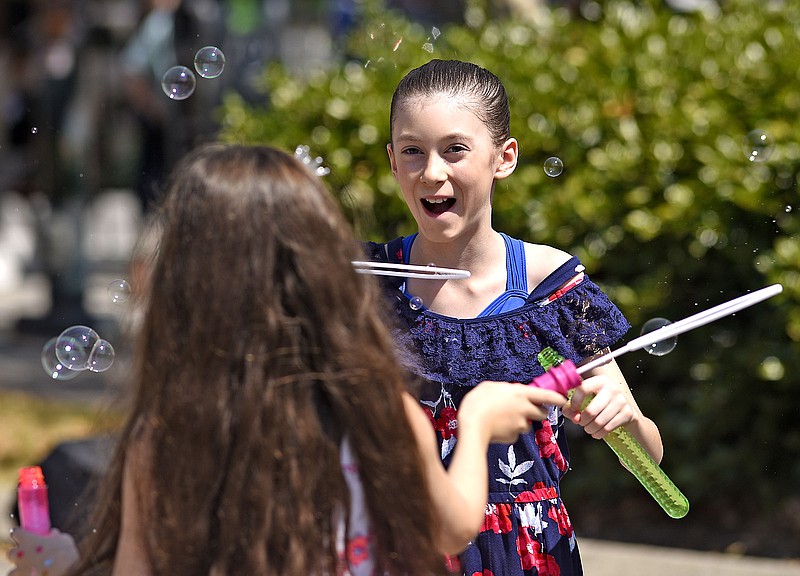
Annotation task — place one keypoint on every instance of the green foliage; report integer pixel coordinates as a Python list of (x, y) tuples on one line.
[(649, 110)]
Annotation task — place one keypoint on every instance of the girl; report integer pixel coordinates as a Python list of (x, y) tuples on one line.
[(450, 144), (270, 431)]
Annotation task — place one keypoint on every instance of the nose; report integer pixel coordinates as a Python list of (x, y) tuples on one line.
[(434, 171)]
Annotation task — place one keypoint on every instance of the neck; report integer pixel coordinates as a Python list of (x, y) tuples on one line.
[(475, 253)]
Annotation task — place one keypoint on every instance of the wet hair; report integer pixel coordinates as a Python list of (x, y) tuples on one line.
[(481, 92), (260, 348)]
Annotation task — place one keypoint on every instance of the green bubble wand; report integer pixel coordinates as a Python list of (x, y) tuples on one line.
[(562, 376)]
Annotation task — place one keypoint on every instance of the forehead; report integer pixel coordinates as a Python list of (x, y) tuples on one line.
[(440, 110)]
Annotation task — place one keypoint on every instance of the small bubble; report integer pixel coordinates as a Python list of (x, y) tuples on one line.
[(74, 346), (51, 364), (34, 130), (553, 166), (101, 357), (119, 291), (178, 83), (209, 62), (415, 303), (758, 146), (788, 209), (662, 347)]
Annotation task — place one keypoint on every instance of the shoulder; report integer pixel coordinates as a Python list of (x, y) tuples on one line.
[(542, 260)]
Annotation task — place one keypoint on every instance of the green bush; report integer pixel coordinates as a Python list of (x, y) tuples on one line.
[(649, 110)]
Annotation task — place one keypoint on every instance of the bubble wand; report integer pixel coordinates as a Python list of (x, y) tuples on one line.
[(562, 376)]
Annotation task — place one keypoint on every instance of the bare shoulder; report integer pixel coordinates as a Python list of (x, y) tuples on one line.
[(542, 260)]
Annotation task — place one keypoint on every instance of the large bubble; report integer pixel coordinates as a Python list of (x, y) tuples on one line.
[(51, 364), (74, 347), (209, 62), (178, 83), (662, 347)]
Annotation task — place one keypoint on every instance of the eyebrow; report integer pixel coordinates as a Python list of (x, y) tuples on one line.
[(448, 138)]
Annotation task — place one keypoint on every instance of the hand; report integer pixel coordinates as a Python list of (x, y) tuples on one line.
[(609, 409), (38, 555), (504, 410)]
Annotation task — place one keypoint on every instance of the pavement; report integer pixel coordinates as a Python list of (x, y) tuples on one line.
[(25, 294)]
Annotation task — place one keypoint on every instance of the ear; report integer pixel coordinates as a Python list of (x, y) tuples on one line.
[(509, 154), (392, 163)]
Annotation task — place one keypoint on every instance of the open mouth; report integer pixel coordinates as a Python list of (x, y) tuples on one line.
[(438, 205)]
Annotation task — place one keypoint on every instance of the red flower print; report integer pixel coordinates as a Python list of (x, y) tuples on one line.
[(545, 564), (357, 550), (562, 519), (431, 417), (548, 447), (447, 423), (497, 519), (486, 572), (526, 547)]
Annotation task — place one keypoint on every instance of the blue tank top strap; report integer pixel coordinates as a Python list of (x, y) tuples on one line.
[(516, 280), (407, 242), (516, 270)]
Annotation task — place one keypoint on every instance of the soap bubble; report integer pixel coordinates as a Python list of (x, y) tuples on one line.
[(415, 303), (178, 83), (119, 291), (209, 61), (553, 166), (101, 357), (74, 347), (662, 347), (55, 369), (758, 146), (428, 46), (302, 153)]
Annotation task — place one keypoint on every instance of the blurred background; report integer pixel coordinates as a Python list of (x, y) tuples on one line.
[(676, 129)]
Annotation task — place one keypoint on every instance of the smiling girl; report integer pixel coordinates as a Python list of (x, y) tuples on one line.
[(450, 144)]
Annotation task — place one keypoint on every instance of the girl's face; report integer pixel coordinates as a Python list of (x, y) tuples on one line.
[(445, 162)]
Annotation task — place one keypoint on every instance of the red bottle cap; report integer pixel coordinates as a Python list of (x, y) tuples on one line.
[(31, 477)]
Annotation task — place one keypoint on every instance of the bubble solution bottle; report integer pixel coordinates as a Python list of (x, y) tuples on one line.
[(561, 376), (34, 509)]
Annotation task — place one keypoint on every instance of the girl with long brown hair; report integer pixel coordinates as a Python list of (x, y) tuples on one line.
[(271, 430)]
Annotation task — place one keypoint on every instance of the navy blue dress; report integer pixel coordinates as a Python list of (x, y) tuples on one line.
[(527, 530)]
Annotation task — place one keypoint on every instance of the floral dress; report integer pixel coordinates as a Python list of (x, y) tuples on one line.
[(526, 530)]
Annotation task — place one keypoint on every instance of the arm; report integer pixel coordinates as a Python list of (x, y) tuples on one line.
[(131, 556), (613, 406), (491, 412)]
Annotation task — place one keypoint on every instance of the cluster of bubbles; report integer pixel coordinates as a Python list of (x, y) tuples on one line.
[(80, 348), (428, 45), (303, 154), (662, 347), (179, 82), (387, 39), (553, 166), (76, 349)]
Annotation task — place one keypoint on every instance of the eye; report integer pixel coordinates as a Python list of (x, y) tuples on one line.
[(411, 150), (457, 148)]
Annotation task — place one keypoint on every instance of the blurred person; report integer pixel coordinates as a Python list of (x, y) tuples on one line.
[(169, 34), (273, 430)]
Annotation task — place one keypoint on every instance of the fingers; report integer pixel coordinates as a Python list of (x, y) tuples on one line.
[(607, 409)]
